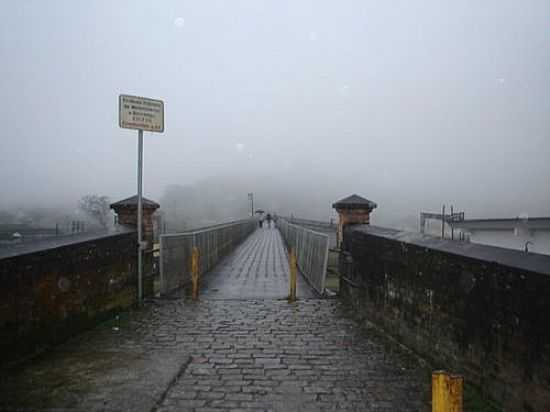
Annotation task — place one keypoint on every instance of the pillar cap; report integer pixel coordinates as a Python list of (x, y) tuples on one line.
[(131, 203), (354, 202)]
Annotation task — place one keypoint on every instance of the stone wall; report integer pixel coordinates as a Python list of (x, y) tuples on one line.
[(478, 310), (53, 290)]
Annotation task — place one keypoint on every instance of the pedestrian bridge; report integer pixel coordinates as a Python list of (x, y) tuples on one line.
[(258, 265), (239, 344), (257, 269)]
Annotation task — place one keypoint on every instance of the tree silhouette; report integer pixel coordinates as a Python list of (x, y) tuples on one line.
[(96, 207)]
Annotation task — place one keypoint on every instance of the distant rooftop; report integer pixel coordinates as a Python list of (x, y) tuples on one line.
[(8, 229), (133, 201), (354, 202), (505, 223)]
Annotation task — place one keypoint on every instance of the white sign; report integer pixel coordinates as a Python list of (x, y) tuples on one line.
[(140, 113)]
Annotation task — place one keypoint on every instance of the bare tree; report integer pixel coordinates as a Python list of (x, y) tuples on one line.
[(96, 207)]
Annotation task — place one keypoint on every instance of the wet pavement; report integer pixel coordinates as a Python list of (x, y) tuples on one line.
[(122, 365), (308, 356), (225, 354), (258, 268)]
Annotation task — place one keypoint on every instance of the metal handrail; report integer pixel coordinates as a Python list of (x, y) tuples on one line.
[(311, 248)]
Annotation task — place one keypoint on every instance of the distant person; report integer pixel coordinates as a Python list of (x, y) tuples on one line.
[(260, 222), (268, 218)]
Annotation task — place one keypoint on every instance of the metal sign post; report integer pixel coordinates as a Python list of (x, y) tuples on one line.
[(140, 214), (142, 114)]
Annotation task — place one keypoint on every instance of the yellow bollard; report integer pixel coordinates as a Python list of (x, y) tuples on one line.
[(447, 392), (293, 276), (195, 272), (456, 389)]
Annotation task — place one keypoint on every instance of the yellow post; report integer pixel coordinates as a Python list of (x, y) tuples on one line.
[(447, 392), (456, 391), (195, 272), (293, 276)]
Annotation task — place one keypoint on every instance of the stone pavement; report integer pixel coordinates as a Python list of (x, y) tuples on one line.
[(216, 355), (224, 354), (258, 268), (122, 365), (272, 356)]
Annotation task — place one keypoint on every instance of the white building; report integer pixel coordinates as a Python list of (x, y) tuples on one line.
[(519, 233)]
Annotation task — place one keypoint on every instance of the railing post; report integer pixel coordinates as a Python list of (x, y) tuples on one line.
[(195, 272), (447, 392), (293, 276)]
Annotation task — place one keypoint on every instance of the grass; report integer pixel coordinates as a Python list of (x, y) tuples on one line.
[(475, 401)]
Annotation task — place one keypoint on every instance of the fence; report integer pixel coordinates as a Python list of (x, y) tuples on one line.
[(213, 242), (330, 224), (311, 250), (327, 227)]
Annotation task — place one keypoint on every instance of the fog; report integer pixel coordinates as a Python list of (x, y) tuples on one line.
[(410, 104)]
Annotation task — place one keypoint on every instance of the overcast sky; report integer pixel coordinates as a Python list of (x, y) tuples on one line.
[(409, 103)]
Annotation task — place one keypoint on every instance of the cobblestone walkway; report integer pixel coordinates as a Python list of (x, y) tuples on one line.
[(272, 356), (257, 269)]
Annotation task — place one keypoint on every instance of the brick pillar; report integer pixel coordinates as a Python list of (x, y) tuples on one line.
[(126, 211), (352, 210)]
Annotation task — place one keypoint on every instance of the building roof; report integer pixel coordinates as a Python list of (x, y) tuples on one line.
[(133, 201), (8, 229), (505, 224), (354, 202)]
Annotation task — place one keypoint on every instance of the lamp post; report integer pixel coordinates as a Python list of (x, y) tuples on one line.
[(251, 198)]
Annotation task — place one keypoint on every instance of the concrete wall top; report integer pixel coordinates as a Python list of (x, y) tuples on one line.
[(60, 241), (532, 262)]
